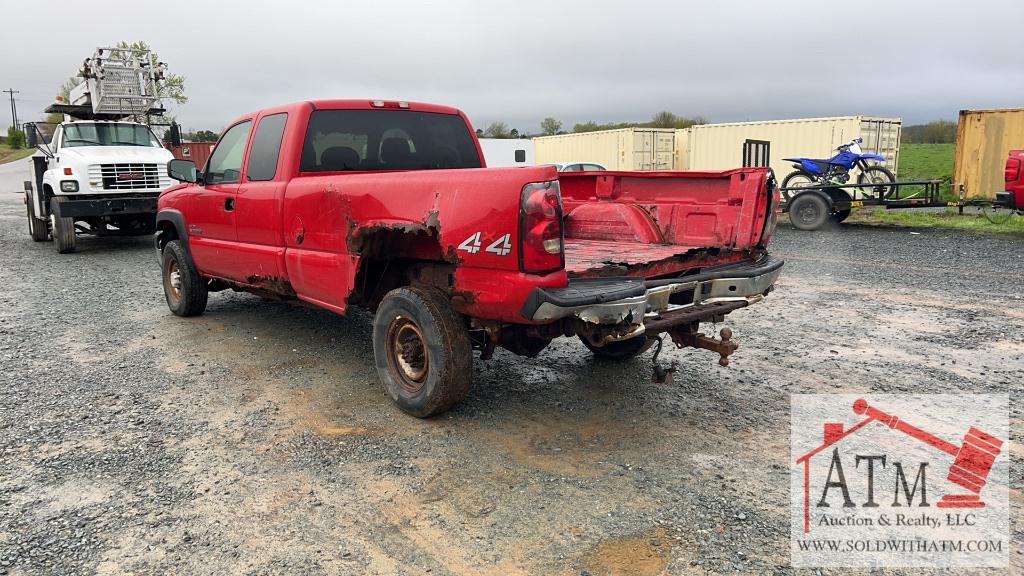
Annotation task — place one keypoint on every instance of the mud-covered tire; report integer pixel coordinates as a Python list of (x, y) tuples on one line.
[(422, 350), (63, 228), (808, 211), (38, 229), (184, 289), (619, 351), (840, 215)]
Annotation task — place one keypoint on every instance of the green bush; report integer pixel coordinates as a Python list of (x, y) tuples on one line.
[(15, 138)]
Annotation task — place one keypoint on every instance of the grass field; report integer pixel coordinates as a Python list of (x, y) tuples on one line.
[(928, 162), (971, 220), (8, 155)]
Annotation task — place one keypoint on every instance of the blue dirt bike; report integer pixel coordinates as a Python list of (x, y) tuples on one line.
[(836, 170)]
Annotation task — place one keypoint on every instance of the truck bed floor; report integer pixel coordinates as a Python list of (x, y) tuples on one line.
[(584, 258)]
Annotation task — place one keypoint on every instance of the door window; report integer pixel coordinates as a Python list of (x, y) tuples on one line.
[(266, 147), (225, 164)]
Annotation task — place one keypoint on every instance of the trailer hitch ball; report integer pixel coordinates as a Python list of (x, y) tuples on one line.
[(726, 346)]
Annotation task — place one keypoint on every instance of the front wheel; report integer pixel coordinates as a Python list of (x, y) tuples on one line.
[(422, 351), (63, 228), (184, 289), (878, 176)]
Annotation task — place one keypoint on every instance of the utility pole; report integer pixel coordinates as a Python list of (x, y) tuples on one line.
[(14, 107)]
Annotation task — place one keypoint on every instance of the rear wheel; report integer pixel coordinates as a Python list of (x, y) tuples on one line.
[(878, 176), (63, 227), (619, 350), (422, 351), (38, 229), (808, 211), (799, 179), (841, 215), (184, 289)]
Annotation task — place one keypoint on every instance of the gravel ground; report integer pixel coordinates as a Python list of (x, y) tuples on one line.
[(256, 439)]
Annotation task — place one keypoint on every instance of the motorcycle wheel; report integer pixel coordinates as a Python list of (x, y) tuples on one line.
[(878, 175), (799, 179)]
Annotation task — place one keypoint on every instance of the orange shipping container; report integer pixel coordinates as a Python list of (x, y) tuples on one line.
[(983, 140), (198, 152)]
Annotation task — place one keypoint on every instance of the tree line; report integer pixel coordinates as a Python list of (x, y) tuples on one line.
[(552, 126), (935, 132)]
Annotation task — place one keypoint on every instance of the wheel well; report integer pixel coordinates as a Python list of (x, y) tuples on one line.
[(165, 232), (392, 257)]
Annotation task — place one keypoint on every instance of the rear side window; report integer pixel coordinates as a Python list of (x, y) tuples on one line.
[(266, 147), (340, 140), (225, 164)]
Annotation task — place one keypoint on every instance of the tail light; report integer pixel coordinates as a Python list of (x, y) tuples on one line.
[(1012, 169), (540, 228)]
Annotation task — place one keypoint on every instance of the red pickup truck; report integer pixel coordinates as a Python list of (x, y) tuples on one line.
[(388, 205), (1013, 197)]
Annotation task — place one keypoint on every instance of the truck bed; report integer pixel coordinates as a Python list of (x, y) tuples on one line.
[(651, 224)]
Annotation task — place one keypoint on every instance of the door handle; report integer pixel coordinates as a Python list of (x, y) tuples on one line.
[(229, 204)]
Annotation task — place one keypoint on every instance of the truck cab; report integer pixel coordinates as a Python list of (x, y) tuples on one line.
[(99, 172), (103, 177)]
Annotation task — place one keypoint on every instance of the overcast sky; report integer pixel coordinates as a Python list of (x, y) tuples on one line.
[(519, 61)]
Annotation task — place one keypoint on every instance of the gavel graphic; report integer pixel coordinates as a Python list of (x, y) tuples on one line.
[(972, 461)]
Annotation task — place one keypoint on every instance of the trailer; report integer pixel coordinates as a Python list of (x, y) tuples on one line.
[(812, 206)]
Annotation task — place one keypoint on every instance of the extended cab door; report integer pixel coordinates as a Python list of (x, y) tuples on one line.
[(211, 223), (258, 204)]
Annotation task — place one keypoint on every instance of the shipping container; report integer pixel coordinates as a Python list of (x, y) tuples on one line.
[(720, 146), (506, 152), (638, 149), (198, 152), (983, 140)]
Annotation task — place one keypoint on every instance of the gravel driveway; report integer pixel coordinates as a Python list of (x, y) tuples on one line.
[(256, 439)]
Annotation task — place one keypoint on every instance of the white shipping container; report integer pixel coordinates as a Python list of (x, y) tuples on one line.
[(625, 149), (506, 152), (720, 146)]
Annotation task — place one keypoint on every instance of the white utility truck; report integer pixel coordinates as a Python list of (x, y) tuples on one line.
[(97, 172)]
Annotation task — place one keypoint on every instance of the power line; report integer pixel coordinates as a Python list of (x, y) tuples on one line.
[(14, 107)]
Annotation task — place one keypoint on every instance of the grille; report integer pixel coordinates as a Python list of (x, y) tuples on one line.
[(127, 176)]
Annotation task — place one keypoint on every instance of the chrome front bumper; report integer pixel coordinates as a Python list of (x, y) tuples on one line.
[(632, 301)]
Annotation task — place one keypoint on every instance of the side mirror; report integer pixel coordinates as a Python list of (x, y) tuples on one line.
[(183, 170), (175, 134), (31, 136)]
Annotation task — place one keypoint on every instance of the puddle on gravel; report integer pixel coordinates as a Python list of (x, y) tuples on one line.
[(645, 554)]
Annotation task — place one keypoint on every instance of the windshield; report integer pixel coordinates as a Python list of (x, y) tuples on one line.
[(87, 134)]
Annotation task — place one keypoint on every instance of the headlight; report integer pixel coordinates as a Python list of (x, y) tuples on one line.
[(69, 185)]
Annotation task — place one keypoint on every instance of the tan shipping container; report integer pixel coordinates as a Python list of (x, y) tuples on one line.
[(642, 149), (720, 146), (983, 140)]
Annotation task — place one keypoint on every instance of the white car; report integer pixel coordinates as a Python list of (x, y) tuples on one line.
[(579, 167)]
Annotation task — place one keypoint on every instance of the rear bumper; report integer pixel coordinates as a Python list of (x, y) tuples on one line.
[(117, 206), (1008, 200), (661, 304)]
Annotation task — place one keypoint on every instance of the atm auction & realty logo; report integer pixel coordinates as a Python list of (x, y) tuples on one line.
[(899, 481)]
